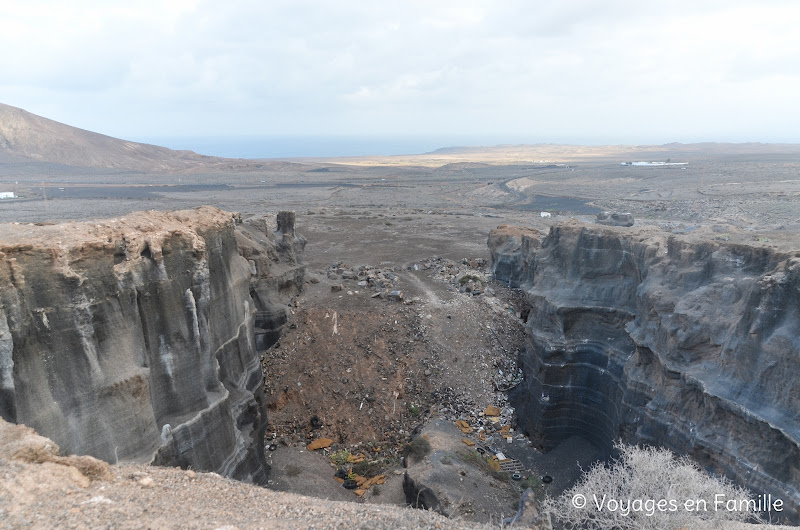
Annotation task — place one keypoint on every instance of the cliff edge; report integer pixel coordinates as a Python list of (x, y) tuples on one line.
[(688, 343), (132, 339)]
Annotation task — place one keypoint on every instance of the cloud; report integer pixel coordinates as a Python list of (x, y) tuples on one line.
[(577, 67)]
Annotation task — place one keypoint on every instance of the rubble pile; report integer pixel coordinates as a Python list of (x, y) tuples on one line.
[(381, 281), (490, 425), (467, 276)]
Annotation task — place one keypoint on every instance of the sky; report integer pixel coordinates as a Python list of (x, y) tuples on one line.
[(573, 71)]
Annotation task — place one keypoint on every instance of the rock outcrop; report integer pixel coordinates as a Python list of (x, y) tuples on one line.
[(132, 339), (614, 219), (649, 337)]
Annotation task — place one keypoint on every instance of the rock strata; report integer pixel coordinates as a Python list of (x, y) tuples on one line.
[(132, 339), (654, 338)]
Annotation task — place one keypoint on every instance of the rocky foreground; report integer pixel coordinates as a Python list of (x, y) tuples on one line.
[(39, 488)]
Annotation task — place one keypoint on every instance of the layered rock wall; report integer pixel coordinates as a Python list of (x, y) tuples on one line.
[(649, 337), (132, 338)]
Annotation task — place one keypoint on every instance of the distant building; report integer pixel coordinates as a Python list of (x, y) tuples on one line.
[(545, 214), (7, 195)]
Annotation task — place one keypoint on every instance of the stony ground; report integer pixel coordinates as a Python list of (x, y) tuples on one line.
[(376, 348), (135, 496)]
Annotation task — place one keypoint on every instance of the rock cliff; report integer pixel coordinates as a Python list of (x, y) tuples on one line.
[(132, 339), (674, 341)]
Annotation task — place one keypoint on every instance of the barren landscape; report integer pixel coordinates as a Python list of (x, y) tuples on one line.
[(384, 313)]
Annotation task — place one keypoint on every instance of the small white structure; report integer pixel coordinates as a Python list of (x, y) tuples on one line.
[(545, 214), (7, 195)]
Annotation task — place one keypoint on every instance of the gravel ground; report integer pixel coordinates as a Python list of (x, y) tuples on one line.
[(136, 496)]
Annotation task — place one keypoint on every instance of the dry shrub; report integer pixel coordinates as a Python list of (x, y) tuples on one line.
[(638, 479)]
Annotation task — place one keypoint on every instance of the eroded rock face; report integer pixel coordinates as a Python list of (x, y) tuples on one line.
[(691, 345), (132, 339)]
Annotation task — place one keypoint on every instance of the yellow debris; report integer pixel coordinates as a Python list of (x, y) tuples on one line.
[(491, 410), (468, 442), (463, 426), (320, 443)]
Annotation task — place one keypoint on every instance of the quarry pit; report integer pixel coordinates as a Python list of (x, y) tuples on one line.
[(228, 343), (576, 336)]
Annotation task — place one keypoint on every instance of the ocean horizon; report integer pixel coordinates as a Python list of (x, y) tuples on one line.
[(313, 146)]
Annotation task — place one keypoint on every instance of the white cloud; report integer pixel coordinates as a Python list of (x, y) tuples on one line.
[(576, 68)]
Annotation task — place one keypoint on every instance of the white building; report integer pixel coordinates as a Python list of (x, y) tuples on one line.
[(7, 195)]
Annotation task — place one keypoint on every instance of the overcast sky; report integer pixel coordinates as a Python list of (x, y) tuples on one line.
[(585, 71)]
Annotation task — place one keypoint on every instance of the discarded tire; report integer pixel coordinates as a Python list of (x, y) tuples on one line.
[(350, 484), (272, 447), (547, 479), (516, 476), (342, 474), (481, 450)]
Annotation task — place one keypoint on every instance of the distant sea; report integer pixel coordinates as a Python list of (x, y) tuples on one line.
[(312, 146)]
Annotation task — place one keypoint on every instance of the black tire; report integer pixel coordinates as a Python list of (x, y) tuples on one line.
[(547, 479), (272, 447), (516, 476), (350, 484)]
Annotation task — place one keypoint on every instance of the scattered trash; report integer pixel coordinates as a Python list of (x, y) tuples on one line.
[(320, 443), (491, 410)]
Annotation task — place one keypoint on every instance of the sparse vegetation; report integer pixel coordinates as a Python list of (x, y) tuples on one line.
[(469, 278), (293, 470), (646, 474), (419, 447), (481, 462), (341, 457), (414, 409), (533, 482), (367, 469)]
